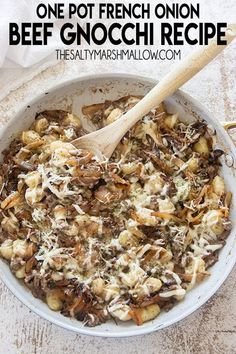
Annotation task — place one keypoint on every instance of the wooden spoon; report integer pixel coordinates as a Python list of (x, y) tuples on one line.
[(104, 141)]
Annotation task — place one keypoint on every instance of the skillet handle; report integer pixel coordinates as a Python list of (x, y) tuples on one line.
[(228, 126)]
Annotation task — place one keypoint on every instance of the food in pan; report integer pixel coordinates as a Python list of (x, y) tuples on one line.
[(121, 239)]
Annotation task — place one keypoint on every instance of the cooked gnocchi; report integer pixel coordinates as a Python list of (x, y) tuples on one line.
[(122, 239)]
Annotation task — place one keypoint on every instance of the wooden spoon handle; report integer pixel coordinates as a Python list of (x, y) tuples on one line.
[(104, 141), (180, 74)]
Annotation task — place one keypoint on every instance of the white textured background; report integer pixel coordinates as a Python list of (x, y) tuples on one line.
[(210, 330)]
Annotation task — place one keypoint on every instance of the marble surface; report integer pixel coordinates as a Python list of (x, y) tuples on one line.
[(211, 329)]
